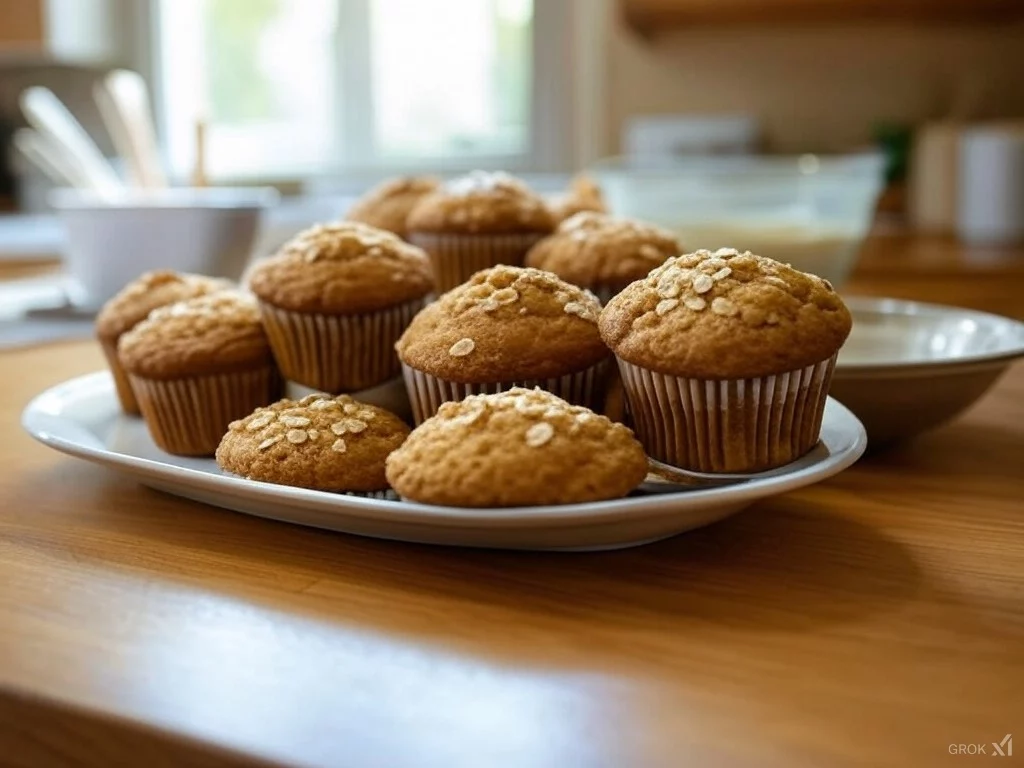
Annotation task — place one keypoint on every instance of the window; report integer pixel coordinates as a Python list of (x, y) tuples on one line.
[(298, 87)]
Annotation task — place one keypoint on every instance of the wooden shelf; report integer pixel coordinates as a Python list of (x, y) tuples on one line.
[(649, 17), (21, 23)]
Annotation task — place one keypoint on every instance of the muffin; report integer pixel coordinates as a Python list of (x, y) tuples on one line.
[(583, 195), (517, 448), (196, 366), (131, 306), (603, 253), (387, 205), (505, 327), (320, 442), (475, 222), (726, 359), (335, 299)]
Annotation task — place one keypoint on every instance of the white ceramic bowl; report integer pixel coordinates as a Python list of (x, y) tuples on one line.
[(810, 211), (908, 367), (110, 242)]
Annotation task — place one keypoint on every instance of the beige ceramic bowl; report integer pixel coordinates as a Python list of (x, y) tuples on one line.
[(908, 367)]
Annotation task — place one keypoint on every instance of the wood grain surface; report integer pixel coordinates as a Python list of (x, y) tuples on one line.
[(872, 620)]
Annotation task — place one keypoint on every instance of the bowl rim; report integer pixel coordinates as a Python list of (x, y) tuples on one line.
[(892, 306), (868, 164), (167, 198)]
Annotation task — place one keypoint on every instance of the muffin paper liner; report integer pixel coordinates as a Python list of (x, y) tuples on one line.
[(427, 393), (338, 353), (124, 388), (188, 417), (458, 257), (386, 494), (738, 425)]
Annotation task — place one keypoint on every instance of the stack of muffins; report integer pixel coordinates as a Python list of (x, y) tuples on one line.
[(486, 301)]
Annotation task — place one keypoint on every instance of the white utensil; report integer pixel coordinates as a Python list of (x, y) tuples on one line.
[(51, 118), (81, 417), (199, 178), (50, 159), (123, 100), (934, 168)]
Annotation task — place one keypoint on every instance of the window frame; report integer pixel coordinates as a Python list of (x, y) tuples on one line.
[(552, 102)]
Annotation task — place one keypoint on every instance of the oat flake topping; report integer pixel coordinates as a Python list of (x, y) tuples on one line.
[(462, 347), (539, 434)]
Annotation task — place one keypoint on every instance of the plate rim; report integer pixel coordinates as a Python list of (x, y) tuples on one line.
[(904, 307), (608, 511)]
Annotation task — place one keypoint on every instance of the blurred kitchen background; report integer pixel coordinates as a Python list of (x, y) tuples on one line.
[(320, 98)]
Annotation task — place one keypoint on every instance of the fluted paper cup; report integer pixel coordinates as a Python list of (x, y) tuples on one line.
[(383, 495), (188, 417), (739, 425), (121, 383), (386, 495), (338, 353), (427, 393), (457, 257)]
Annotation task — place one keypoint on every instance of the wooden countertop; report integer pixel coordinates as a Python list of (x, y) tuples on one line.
[(874, 619)]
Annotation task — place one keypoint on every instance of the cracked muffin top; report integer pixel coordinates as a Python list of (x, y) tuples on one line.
[(522, 447), (505, 324), (725, 315), (482, 203), (595, 250), (343, 268), (321, 442)]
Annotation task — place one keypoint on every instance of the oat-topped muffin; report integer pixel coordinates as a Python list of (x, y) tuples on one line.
[(387, 206), (726, 359), (197, 365), (517, 448), (477, 221), (482, 203), (320, 442), (506, 326), (335, 299), (131, 306), (583, 195), (603, 253)]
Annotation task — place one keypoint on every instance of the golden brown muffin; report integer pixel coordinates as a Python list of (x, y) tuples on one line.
[(725, 315), (218, 333), (476, 222), (320, 442), (482, 203), (335, 299), (387, 206), (131, 306), (516, 448), (507, 326), (344, 268), (603, 253), (726, 359), (583, 195), (197, 365)]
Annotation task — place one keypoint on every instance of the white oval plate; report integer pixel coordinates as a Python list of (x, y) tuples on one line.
[(81, 417)]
